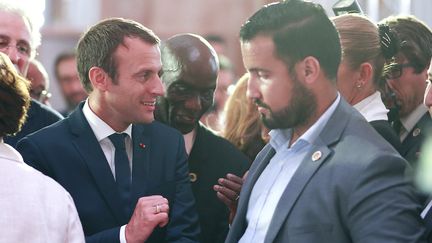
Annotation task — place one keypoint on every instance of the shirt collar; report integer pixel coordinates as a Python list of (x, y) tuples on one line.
[(411, 120), (372, 108), (281, 137), (99, 127)]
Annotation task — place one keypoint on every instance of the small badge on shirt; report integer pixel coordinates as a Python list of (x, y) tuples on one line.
[(316, 155)]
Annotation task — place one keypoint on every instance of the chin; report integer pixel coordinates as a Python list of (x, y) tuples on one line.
[(184, 129)]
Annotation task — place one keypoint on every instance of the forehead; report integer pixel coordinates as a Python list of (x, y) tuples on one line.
[(136, 54), (15, 27), (196, 69), (258, 52)]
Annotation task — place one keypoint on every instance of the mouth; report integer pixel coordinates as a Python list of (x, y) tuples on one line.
[(186, 119), (149, 103)]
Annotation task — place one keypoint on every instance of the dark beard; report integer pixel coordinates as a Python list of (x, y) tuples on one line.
[(298, 111)]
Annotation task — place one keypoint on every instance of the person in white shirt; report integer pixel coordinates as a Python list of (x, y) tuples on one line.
[(34, 207)]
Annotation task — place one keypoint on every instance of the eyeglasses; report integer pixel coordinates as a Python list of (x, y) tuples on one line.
[(22, 47), (394, 70), (40, 95)]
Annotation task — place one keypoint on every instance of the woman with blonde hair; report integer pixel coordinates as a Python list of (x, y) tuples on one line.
[(243, 126), (365, 47)]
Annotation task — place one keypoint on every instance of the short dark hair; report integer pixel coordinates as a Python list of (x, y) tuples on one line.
[(14, 98), (415, 38), (97, 46), (299, 29), (62, 57)]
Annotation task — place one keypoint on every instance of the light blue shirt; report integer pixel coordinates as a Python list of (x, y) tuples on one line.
[(271, 184)]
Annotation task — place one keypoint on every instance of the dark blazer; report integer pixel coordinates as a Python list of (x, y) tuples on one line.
[(69, 152), (38, 116), (211, 158), (411, 145), (428, 224), (386, 131), (354, 191)]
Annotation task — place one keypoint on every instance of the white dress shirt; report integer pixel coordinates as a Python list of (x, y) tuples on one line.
[(34, 207), (372, 108), (102, 131), (271, 184), (409, 122)]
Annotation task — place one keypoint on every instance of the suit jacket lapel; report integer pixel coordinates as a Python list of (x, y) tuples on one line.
[(141, 135), (260, 163), (301, 177), (88, 147)]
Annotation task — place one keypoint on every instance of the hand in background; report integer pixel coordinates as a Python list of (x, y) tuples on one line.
[(228, 191)]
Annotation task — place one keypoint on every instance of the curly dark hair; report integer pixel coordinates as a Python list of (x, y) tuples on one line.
[(14, 98)]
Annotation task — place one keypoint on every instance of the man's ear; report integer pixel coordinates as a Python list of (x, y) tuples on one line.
[(98, 78), (310, 69)]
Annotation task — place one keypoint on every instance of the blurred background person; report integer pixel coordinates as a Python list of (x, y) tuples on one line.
[(364, 51), (38, 77), (424, 169), (243, 125), (19, 40), (65, 67), (34, 207), (218, 43), (406, 75)]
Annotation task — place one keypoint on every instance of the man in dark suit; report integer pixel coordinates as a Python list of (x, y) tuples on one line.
[(19, 40), (406, 76), (190, 70), (127, 174), (326, 175)]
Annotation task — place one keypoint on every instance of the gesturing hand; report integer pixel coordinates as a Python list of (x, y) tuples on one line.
[(149, 212)]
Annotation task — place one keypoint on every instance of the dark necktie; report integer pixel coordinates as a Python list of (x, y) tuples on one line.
[(397, 126), (122, 169)]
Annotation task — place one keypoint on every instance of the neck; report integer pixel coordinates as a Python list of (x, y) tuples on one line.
[(323, 103), (189, 140)]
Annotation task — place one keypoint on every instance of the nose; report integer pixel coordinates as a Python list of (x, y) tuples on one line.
[(12, 53), (252, 89), (194, 103), (16, 59), (158, 88)]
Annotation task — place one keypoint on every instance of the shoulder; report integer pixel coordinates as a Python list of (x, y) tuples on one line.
[(219, 146), (43, 111), (386, 131), (159, 129), (26, 176)]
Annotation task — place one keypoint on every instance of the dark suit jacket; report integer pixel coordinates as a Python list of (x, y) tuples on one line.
[(211, 158), (428, 223), (354, 192), (69, 152), (411, 145), (38, 116), (386, 131)]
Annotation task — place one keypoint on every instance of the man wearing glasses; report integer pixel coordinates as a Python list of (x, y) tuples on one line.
[(18, 40), (406, 76)]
